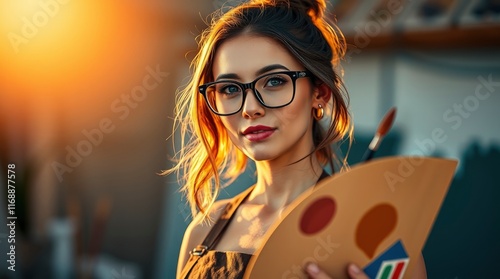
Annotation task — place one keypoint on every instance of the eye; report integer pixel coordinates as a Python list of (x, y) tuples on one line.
[(275, 81), (228, 89)]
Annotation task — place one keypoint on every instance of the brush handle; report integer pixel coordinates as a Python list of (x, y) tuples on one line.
[(372, 148), (368, 155)]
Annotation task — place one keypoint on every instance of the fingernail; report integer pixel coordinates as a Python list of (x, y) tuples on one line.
[(312, 268), (354, 268)]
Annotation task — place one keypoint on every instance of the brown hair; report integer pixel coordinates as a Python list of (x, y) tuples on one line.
[(207, 154)]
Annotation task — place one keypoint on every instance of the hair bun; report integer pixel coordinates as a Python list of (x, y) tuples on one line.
[(314, 8)]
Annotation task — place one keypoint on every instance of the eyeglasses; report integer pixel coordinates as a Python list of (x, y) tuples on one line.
[(274, 90)]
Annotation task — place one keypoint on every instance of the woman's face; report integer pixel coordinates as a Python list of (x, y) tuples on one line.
[(283, 134)]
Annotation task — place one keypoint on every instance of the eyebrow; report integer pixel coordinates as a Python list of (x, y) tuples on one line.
[(258, 73)]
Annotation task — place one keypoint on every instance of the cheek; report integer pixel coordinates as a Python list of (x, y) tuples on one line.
[(300, 108), (231, 126), (297, 116)]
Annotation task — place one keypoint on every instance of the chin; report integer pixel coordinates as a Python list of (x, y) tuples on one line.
[(260, 156)]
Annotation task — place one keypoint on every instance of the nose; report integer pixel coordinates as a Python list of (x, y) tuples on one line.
[(251, 106)]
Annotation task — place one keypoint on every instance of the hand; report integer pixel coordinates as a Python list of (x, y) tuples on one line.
[(315, 272)]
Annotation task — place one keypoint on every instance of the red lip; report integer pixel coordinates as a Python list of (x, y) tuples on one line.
[(257, 129), (258, 133)]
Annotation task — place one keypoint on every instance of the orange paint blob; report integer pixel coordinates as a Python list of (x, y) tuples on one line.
[(374, 227)]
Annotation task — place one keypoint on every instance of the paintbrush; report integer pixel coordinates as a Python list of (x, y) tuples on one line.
[(383, 129)]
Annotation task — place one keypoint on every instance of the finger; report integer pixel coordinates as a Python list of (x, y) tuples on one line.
[(315, 272), (355, 272)]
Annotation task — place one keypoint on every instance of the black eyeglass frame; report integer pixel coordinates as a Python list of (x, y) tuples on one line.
[(294, 75)]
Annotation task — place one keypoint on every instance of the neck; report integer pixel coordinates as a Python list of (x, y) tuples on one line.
[(278, 186)]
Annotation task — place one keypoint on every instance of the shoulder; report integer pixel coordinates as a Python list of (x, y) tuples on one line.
[(201, 225), (198, 230)]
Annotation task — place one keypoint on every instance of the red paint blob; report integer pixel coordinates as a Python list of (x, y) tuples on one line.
[(317, 215)]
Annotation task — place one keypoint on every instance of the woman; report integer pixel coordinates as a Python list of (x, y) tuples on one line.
[(263, 80)]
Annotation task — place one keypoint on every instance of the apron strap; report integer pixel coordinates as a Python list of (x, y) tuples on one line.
[(216, 232)]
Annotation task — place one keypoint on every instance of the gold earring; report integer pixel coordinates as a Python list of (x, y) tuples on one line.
[(319, 112)]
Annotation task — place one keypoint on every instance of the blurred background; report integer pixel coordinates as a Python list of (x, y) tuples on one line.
[(87, 96)]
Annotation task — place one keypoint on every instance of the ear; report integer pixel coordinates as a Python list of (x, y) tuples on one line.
[(321, 94)]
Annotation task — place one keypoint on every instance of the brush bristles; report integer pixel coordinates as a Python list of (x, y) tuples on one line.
[(386, 123)]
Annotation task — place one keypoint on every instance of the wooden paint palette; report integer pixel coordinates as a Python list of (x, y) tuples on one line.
[(377, 215)]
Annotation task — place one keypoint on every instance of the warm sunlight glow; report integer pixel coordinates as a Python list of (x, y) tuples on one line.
[(50, 46), (75, 53)]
